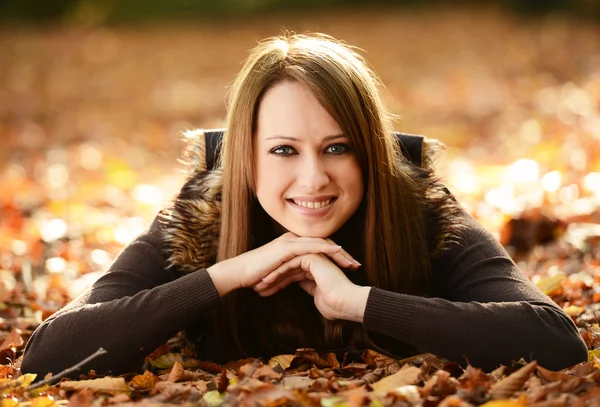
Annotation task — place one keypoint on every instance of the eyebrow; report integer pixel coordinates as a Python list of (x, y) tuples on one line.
[(328, 138)]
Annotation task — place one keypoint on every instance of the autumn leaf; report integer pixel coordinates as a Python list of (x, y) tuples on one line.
[(508, 386), (110, 385), (405, 376), (283, 361), (167, 361), (550, 284), (145, 381), (13, 339)]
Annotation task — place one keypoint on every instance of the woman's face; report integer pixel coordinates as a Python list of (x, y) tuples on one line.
[(307, 176)]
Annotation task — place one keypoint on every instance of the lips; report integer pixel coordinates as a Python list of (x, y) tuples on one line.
[(317, 206), (313, 204)]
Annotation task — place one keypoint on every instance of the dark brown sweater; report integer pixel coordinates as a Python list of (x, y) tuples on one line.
[(488, 312)]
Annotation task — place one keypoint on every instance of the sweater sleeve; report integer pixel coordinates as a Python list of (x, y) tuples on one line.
[(130, 311), (489, 312)]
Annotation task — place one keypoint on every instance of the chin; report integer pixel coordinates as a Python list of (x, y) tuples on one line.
[(320, 232)]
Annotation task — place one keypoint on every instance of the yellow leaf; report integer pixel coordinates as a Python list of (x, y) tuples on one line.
[(520, 402), (43, 401), (213, 398), (111, 385), (281, 360), (9, 402), (574, 310), (550, 284), (144, 381), (167, 361), (592, 355), (403, 377)]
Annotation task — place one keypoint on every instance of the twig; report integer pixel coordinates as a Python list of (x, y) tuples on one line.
[(71, 369)]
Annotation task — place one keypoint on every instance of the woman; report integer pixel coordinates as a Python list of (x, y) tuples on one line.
[(247, 259)]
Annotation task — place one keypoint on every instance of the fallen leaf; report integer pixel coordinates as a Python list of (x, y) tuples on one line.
[(168, 360), (144, 381), (213, 398), (110, 385), (297, 382), (12, 340), (520, 402), (281, 360), (508, 386), (43, 401), (405, 376), (549, 284)]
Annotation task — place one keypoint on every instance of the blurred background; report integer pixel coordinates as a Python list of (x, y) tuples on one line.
[(95, 94)]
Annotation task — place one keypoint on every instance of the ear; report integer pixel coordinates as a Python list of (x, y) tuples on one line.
[(194, 152)]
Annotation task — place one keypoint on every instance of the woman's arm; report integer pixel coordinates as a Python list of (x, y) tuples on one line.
[(130, 311), (491, 313)]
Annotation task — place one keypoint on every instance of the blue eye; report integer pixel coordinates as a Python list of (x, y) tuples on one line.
[(283, 151), (338, 149)]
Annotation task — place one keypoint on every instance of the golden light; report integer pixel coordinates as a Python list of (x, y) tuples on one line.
[(552, 181), (523, 171), (591, 182), (56, 265), (53, 230), (147, 194)]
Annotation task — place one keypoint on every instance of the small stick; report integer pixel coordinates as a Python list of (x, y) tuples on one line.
[(71, 369)]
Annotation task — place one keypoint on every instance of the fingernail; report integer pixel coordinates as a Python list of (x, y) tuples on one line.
[(357, 263)]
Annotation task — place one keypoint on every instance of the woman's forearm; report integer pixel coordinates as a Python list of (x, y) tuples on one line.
[(128, 328)]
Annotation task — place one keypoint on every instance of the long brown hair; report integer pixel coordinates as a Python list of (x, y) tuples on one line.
[(391, 240)]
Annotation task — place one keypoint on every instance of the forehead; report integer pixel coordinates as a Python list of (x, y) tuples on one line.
[(290, 109)]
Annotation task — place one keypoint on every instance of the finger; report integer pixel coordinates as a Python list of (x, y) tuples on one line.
[(263, 285), (302, 247), (347, 255), (282, 284), (295, 263), (309, 286)]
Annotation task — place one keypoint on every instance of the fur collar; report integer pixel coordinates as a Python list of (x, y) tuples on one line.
[(192, 220)]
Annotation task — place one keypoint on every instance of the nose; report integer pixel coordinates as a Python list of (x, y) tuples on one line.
[(312, 174)]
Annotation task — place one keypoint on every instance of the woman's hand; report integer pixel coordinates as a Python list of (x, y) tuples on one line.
[(336, 297), (251, 267)]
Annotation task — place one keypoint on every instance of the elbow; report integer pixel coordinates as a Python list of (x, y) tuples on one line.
[(565, 353)]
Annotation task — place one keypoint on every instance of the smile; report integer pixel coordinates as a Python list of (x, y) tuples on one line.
[(313, 209), (313, 204)]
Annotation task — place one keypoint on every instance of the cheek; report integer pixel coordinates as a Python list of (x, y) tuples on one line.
[(271, 184)]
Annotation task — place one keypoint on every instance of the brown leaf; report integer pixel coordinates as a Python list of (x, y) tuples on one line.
[(551, 376), (406, 375), (506, 387), (327, 360), (281, 360), (12, 340), (111, 385), (223, 381), (377, 359), (82, 398), (144, 381), (354, 369)]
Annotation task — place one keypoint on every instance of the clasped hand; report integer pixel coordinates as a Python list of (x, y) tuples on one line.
[(313, 263)]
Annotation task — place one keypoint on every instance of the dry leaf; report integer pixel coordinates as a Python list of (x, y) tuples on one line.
[(405, 376), (43, 401), (13, 339), (145, 381), (110, 385), (168, 360), (520, 402), (281, 360), (549, 284), (506, 387)]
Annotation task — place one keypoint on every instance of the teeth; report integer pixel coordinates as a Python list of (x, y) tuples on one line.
[(313, 205)]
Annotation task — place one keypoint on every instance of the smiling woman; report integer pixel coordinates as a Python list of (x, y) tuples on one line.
[(315, 228)]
